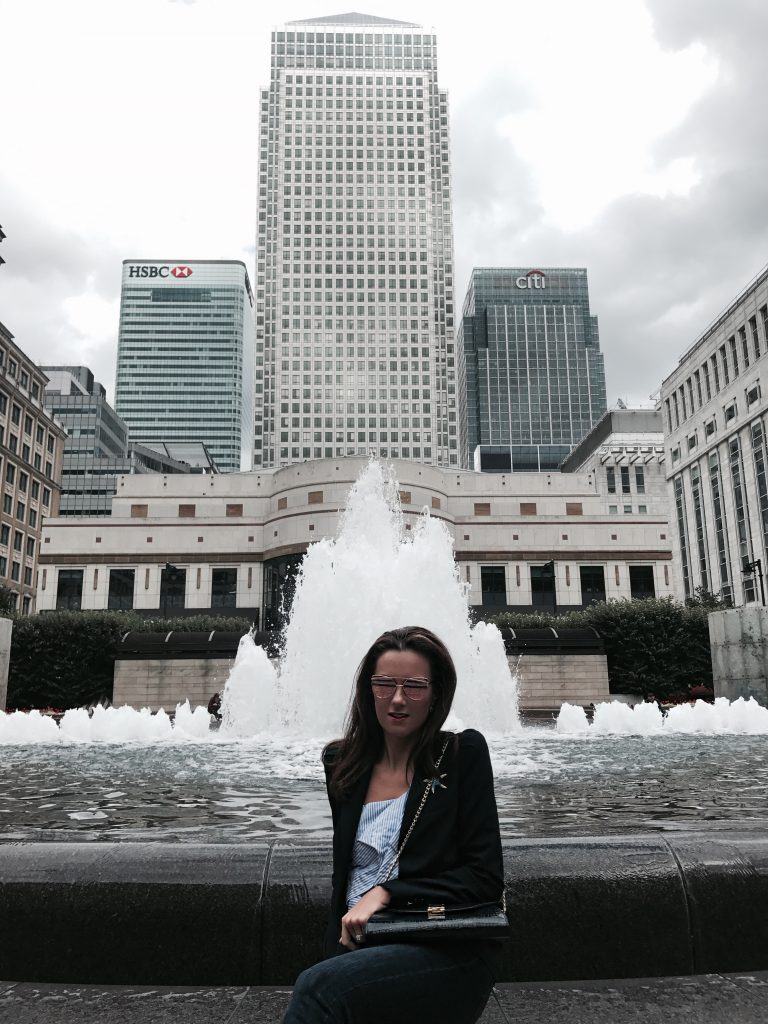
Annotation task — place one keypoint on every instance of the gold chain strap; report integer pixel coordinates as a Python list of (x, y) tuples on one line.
[(427, 788)]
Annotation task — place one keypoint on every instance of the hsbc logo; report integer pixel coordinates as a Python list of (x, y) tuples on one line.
[(533, 279), (144, 271)]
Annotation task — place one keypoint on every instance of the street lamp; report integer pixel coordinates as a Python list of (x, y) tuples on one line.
[(754, 569)]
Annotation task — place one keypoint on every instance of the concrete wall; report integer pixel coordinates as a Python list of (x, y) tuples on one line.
[(548, 680), (6, 628), (545, 681), (158, 683), (255, 913), (739, 643)]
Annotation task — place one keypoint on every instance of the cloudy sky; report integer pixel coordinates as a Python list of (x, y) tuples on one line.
[(627, 136)]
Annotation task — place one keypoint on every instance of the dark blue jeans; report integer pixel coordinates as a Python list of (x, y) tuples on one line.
[(397, 984)]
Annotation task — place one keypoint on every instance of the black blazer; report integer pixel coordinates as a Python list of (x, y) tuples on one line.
[(453, 855)]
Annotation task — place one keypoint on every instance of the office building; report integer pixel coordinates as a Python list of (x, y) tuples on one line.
[(355, 346), (714, 408), (96, 449), (31, 447), (535, 379), (185, 356)]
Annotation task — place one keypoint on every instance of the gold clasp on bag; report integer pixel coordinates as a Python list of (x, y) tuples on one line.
[(436, 912)]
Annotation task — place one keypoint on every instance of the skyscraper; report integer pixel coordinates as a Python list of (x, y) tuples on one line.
[(535, 379), (355, 349), (185, 356)]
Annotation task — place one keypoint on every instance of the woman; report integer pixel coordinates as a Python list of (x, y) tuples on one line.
[(376, 776)]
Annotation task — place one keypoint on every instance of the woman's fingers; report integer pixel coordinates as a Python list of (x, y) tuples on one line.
[(352, 931)]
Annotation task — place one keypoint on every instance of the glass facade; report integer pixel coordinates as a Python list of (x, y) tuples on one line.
[(355, 349), (534, 370), (185, 356), (96, 449)]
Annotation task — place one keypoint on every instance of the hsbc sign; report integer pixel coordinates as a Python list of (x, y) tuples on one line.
[(533, 279), (145, 271)]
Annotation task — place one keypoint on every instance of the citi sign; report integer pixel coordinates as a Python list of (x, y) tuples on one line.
[(143, 271), (533, 279)]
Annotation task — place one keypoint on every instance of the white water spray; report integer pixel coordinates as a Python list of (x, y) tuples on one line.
[(615, 718), (373, 576)]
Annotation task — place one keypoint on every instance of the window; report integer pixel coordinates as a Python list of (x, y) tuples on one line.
[(30, 547), (16, 571), (32, 518), (28, 575), (405, 497), (10, 472), (625, 488), (493, 583), (613, 510), (592, 583), (15, 414), (574, 508), (173, 585), (627, 510), (435, 503), (137, 511), (69, 589), (543, 586), (640, 479), (234, 511), (610, 475), (121, 586), (483, 508), (315, 498), (692, 442), (35, 489), (18, 540), (186, 511), (730, 412), (710, 427), (282, 503), (527, 508), (641, 582), (23, 482), (753, 394), (642, 510), (224, 588), (5, 534), (8, 504), (3, 566), (47, 497)]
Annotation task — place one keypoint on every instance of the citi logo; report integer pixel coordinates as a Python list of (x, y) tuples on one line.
[(144, 271), (533, 279)]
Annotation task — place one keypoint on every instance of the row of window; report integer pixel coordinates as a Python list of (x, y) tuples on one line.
[(733, 357), (493, 584), (625, 478), (122, 584)]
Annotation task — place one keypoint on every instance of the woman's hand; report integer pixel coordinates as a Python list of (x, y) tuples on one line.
[(354, 921)]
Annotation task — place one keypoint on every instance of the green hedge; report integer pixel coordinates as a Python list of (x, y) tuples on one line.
[(66, 659), (653, 647)]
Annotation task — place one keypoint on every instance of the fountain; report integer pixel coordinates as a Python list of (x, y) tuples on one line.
[(117, 771)]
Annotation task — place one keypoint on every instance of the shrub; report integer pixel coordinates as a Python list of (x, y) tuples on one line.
[(66, 659), (653, 646)]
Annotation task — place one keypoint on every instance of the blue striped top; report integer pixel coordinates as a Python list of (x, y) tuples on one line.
[(375, 845)]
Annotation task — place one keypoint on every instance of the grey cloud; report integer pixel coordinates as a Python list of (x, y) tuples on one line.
[(660, 268)]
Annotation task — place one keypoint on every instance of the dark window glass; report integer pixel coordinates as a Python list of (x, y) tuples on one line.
[(493, 583), (543, 586), (592, 583), (121, 583), (224, 588), (69, 590), (173, 585), (641, 582)]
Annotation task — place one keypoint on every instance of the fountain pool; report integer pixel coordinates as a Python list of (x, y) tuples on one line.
[(124, 774)]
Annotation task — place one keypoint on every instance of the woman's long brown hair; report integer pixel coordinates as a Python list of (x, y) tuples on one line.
[(363, 742)]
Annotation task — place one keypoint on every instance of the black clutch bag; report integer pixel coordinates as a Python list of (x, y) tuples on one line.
[(438, 924)]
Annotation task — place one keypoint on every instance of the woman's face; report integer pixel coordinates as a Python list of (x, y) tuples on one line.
[(398, 714)]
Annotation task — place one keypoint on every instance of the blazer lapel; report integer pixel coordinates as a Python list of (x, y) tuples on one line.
[(349, 817)]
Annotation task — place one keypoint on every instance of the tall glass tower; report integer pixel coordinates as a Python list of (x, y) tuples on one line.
[(185, 356), (355, 349), (535, 379)]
